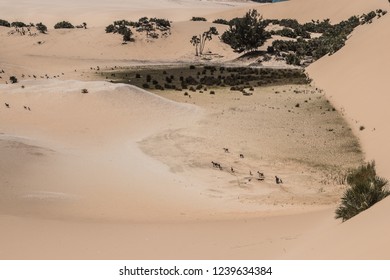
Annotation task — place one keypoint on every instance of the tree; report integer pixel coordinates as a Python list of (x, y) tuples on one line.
[(246, 33), (85, 25), (200, 41), (41, 28), (195, 41)]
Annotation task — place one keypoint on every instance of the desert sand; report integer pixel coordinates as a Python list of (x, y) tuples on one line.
[(123, 173)]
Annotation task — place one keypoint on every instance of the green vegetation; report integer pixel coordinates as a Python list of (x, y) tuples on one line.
[(121, 27), (332, 37), (4, 23), (221, 21), (63, 25), (41, 28), (18, 24), (154, 28), (246, 33), (199, 41), (201, 77), (198, 19), (366, 190), (13, 80)]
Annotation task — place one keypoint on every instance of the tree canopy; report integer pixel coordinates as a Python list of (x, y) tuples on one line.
[(246, 33)]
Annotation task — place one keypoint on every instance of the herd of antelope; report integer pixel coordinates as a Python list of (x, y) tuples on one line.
[(260, 175)]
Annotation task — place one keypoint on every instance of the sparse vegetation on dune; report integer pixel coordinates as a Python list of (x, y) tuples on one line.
[(366, 189), (221, 21), (18, 24), (153, 27), (41, 28), (248, 34), (4, 23), (63, 25), (198, 19)]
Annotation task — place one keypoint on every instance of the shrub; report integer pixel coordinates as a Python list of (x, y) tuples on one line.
[(293, 59), (127, 35), (13, 80), (63, 25), (18, 24), (145, 85), (84, 90), (365, 173), (161, 22), (41, 28), (110, 28), (198, 19), (4, 23), (366, 190), (221, 21), (286, 32)]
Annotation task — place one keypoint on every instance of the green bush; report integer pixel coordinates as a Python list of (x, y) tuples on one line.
[(41, 28), (13, 80), (286, 32), (221, 21), (198, 19), (18, 24), (293, 59), (161, 22), (63, 25), (4, 23), (366, 190), (365, 173), (110, 28)]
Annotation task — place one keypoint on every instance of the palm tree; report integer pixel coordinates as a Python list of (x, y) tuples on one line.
[(361, 196), (200, 41)]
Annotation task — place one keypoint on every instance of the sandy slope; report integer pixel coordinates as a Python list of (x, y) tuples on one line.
[(102, 12), (355, 78), (74, 153)]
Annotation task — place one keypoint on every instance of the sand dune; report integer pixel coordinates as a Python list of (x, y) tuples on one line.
[(101, 13)]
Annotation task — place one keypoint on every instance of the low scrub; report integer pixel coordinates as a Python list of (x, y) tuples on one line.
[(198, 19), (63, 25), (366, 189), (4, 23)]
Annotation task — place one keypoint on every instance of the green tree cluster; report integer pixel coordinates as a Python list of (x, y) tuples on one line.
[(246, 33)]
